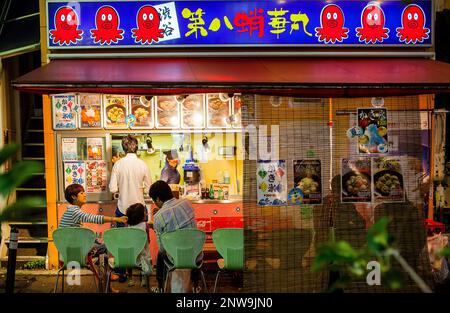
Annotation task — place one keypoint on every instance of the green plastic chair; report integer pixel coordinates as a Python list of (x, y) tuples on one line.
[(184, 246), (229, 243), (124, 244), (73, 244)]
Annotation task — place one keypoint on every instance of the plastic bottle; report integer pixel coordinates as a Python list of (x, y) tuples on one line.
[(220, 194)]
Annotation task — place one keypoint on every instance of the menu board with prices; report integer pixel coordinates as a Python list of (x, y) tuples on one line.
[(91, 111), (64, 107)]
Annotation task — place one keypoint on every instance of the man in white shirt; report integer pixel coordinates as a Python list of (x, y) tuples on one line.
[(130, 177)]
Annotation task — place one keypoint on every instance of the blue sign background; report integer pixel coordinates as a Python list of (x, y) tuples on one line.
[(225, 37)]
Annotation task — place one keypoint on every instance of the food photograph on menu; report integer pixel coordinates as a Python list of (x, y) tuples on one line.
[(167, 112), (373, 131), (115, 110), (388, 180), (91, 111), (218, 111), (141, 108), (237, 111), (356, 180), (193, 112), (308, 178)]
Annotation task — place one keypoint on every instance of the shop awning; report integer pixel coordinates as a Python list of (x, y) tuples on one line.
[(306, 77)]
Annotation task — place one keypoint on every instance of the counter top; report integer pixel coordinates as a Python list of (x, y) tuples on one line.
[(199, 201)]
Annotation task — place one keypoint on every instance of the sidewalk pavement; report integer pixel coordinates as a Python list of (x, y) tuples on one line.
[(43, 281)]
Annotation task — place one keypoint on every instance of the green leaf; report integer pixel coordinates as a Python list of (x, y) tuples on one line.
[(444, 252), (7, 152), (17, 175), (393, 279), (25, 209), (340, 252), (378, 238)]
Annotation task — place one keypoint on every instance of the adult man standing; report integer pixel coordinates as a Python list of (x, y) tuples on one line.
[(130, 177), (172, 214)]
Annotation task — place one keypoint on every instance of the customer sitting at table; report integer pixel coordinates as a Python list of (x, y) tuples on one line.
[(171, 214), (73, 216)]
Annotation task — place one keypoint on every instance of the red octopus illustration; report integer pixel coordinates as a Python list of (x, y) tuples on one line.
[(107, 22), (413, 25), (332, 25), (66, 24), (372, 22), (147, 26)]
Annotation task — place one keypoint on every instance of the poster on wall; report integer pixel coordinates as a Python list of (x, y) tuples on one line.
[(388, 180), (74, 173), (356, 180), (271, 182), (115, 109), (308, 178), (64, 111), (91, 111), (95, 148), (372, 131), (96, 176), (69, 149)]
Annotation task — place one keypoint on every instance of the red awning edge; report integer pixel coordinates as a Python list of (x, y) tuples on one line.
[(302, 77)]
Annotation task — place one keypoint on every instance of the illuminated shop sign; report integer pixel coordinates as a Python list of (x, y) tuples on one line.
[(238, 23)]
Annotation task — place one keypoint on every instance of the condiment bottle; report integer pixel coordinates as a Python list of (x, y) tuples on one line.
[(211, 192)]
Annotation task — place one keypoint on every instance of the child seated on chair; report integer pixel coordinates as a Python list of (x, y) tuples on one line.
[(137, 218)]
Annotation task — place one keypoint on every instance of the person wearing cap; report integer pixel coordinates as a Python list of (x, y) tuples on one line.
[(169, 173)]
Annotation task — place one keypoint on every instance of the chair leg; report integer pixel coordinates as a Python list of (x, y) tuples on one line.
[(167, 278), (62, 280), (217, 280), (204, 281), (108, 276), (57, 279)]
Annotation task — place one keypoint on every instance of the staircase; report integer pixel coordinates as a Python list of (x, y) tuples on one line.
[(32, 242)]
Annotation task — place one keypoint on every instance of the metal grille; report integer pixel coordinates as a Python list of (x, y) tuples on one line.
[(281, 241)]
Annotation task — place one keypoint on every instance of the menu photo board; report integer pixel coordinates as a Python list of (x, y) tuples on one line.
[(218, 111), (388, 180), (142, 108), (236, 120), (91, 111), (308, 178), (167, 112), (356, 180), (64, 107), (115, 111), (94, 148), (193, 112)]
